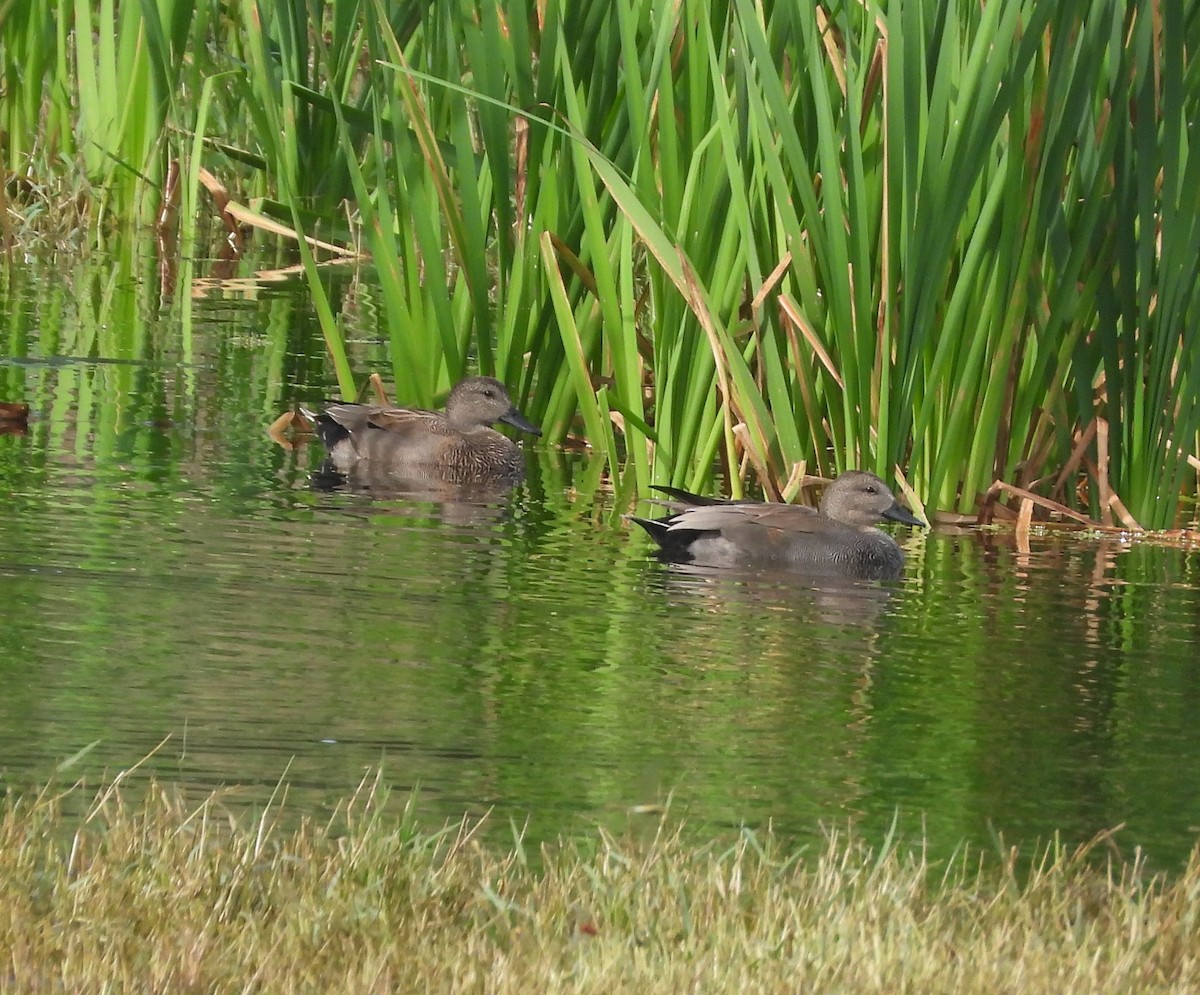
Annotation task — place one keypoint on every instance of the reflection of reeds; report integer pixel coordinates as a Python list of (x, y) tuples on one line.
[(959, 245)]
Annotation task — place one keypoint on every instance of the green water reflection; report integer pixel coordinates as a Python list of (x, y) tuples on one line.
[(167, 571)]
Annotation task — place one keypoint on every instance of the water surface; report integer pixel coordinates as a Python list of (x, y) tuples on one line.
[(167, 572)]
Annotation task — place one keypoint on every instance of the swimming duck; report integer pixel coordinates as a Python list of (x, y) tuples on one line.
[(837, 538), (457, 445)]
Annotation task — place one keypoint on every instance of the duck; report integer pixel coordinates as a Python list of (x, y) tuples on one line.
[(837, 538), (457, 445)]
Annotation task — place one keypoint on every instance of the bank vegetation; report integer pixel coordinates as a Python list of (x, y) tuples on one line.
[(955, 243)]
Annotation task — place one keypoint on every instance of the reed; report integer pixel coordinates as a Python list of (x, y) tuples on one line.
[(955, 241)]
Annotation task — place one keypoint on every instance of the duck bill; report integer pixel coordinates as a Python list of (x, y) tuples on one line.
[(898, 513), (518, 420)]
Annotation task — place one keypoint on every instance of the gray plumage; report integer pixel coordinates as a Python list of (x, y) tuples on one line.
[(457, 445), (838, 538)]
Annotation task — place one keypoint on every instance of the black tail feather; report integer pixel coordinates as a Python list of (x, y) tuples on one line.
[(687, 497), (328, 431), (655, 527)]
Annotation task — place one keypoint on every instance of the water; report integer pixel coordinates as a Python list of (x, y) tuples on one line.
[(172, 586)]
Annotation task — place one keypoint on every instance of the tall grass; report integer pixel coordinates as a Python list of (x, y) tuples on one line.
[(153, 894), (109, 72), (952, 240)]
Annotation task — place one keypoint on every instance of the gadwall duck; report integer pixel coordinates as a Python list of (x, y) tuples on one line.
[(458, 445), (838, 538)]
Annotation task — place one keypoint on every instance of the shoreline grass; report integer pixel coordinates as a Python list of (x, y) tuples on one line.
[(158, 895)]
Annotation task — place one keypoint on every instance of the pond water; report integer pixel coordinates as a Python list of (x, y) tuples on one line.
[(168, 573)]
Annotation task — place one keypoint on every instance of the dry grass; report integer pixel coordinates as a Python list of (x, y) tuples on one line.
[(44, 215), (158, 896)]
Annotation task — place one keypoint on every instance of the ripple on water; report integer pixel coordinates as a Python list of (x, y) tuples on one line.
[(530, 655)]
